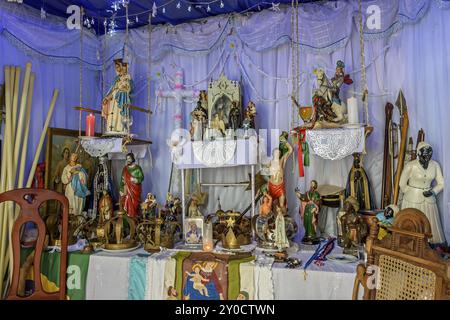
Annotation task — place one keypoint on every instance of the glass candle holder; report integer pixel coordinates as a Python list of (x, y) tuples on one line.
[(208, 242)]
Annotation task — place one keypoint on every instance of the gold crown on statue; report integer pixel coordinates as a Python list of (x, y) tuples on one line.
[(118, 235)]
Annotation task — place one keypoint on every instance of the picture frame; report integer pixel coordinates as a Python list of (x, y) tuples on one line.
[(193, 231), (60, 144)]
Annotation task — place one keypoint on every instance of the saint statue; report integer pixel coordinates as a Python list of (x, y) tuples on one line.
[(149, 206), (116, 103), (276, 184), (193, 211), (416, 184), (105, 207), (75, 179), (101, 181), (235, 116), (266, 206), (131, 186), (353, 227), (218, 124), (309, 211), (199, 119), (249, 118), (281, 240), (358, 184)]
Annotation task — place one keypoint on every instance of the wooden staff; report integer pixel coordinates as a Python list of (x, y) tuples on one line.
[(27, 133), (404, 123), (21, 119), (16, 81), (386, 186), (41, 140)]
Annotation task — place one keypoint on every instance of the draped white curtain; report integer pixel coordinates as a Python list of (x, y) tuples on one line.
[(409, 52)]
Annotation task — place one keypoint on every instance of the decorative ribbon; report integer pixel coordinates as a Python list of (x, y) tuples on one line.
[(302, 151)]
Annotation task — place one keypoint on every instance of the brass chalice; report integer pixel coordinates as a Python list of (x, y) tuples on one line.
[(306, 113)]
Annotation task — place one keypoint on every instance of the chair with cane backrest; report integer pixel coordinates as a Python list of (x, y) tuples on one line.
[(29, 201), (402, 266)]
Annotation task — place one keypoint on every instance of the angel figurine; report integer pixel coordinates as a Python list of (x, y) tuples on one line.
[(116, 103)]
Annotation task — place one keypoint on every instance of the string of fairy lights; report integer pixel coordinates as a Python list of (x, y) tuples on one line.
[(118, 6)]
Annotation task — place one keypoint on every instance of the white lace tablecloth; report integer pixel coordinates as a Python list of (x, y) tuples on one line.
[(336, 144)]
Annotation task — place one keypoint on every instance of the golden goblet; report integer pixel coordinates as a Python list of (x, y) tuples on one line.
[(306, 113)]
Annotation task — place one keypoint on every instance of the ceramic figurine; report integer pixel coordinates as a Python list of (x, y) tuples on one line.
[(149, 206), (75, 179), (386, 219), (199, 119), (276, 184), (249, 118), (116, 103), (266, 206), (193, 211), (418, 192), (309, 211), (131, 186), (105, 207), (235, 116), (353, 226), (358, 184), (281, 240)]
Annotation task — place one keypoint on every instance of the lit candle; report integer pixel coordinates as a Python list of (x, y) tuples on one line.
[(208, 244), (352, 110), (90, 125)]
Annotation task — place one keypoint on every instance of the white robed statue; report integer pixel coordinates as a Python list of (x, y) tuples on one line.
[(416, 184), (75, 178), (281, 240), (116, 103)]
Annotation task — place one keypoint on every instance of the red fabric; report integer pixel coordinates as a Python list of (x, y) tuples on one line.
[(276, 190), (301, 139), (131, 200)]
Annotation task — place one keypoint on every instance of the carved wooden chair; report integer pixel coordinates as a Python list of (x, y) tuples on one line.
[(402, 266), (29, 201)]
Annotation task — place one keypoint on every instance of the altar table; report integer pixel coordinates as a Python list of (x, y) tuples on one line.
[(108, 278)]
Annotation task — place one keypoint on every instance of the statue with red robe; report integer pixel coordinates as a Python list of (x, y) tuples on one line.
[(131, 186)]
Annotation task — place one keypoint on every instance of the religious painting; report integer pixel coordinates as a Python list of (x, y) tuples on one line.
[(204, 279), (193, 231), (60, 144), (222, 94)]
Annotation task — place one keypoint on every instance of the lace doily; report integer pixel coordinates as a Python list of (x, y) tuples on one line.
[(214, 153), (97, 147), (336, 144)]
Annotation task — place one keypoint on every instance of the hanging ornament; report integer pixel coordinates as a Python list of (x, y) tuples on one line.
[(178, 5), (43, 13), (221, 4), (155, 10)]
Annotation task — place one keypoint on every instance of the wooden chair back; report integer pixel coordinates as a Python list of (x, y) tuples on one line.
[(402, 266), (29, 201)]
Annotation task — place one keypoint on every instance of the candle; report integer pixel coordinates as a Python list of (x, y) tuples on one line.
[(352, 109), (208, 244), (90, 125)]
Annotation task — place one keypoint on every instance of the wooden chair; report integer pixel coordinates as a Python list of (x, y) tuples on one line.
[(29, 201), (402, 266)]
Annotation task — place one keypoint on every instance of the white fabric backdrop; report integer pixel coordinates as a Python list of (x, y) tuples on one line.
[(415, 58)]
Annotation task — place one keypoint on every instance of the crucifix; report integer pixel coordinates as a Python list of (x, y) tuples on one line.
[(178, 93)]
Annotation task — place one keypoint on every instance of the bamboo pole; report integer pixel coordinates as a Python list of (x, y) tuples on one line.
[(15, 101), (41, 140), (23, 159), (21, 119), (4, 177)]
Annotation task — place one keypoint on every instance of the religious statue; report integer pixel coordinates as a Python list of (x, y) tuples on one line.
[(235, 116), (116, 103), (276, 184), (131, 186), (105, 207), (353, 226), (75, 179), (218, 124), (358, 184), (327, 103), (149, 206), (281, 240), (386, 219), (249, 118), (203, 98), (199, 119), (193, 211), (416, 184), (266, 206), (101, 181), (309, 211)]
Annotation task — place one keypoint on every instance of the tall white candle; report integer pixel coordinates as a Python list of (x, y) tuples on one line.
[(352, 107)]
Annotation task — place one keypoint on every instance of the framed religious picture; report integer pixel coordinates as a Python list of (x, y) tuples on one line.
[(61, 143), (224, 98), (193, 231)]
